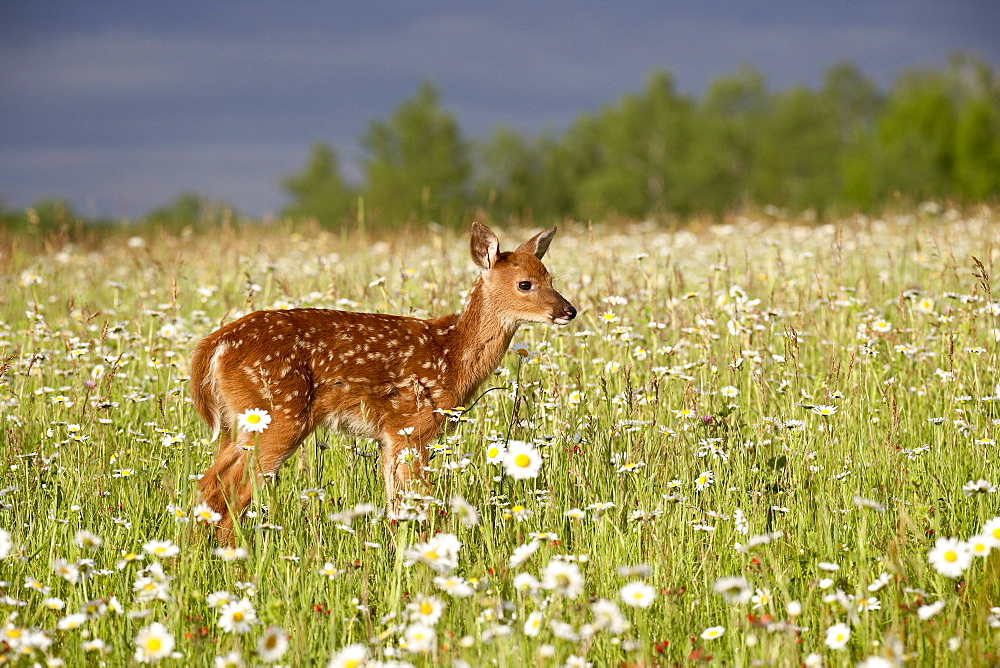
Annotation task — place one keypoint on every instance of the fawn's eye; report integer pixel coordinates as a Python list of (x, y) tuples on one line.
[(524, 285)]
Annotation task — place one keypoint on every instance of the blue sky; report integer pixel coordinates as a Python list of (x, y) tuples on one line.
[(120, 106)]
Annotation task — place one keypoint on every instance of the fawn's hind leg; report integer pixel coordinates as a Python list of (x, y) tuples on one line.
[(210, 484), (228, 486)]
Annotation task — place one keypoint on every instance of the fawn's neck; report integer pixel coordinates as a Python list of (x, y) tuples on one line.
[(481, 339)]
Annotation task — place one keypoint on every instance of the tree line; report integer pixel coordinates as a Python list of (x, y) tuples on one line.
[(844, 146), (840, 147)]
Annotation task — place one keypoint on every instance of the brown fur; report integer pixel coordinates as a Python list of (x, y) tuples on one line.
[(370, 374)]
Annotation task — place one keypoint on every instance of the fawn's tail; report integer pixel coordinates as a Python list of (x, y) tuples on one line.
[(204, 387)]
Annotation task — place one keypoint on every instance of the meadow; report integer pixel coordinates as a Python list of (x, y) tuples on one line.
[(763, 443)]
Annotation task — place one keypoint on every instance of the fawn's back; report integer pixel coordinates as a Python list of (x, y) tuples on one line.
[(348, 370)]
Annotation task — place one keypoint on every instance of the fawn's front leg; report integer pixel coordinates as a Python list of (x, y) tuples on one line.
[(404, 458)]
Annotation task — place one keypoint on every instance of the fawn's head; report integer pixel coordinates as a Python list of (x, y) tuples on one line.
[(516, 285)]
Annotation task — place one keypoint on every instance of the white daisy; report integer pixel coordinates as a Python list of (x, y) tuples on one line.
[(238, 616), (526, 583), (734, 589), (217, 599), (419, 638), (5, 543), (522, 460), (330, 571), (440, 552), (950, 557), (637, 594), (837, 636), (991, 530), (161, 548), (153, 643), (465, 510), (255, 419), (230, 660), (533, 624), (87, 540), (980, 546), (229, 553), (351, 656), (608, 616), (70, 622), (272, 644), (563, 577), (204, 513), (930, 610), (426, 609), (522, 553), (496, 452), (454, 586)]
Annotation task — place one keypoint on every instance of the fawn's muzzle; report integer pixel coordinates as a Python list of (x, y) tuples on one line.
[(568, 313)]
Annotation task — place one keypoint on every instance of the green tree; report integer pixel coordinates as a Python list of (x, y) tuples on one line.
[(565, 163), (417, 163), (722, 150), (638, 149), (915, 151), (43, 215), (319, 190), (977, 149), (977, 128), (189, 209), (853, 100), (797, 153), (509, 174)]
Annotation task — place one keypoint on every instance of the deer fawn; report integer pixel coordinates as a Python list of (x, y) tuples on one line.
[(385, 377)]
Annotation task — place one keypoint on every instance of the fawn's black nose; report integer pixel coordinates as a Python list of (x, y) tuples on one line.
[(570, 311)]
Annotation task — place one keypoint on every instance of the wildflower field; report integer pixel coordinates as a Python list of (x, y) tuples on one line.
[(758, 443)]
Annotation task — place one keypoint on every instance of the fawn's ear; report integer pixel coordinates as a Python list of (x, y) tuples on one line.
[(538, 244), (484, 246)]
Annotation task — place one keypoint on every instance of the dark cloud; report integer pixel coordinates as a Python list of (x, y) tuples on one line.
[(117, 102)]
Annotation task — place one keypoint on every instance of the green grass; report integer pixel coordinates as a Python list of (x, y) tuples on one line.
[(720, 342)]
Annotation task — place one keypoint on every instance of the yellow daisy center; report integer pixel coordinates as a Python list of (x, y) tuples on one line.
[(522, 460), (237, 616), (253, 419), (154, 644), (950, 555), (426, 608)]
